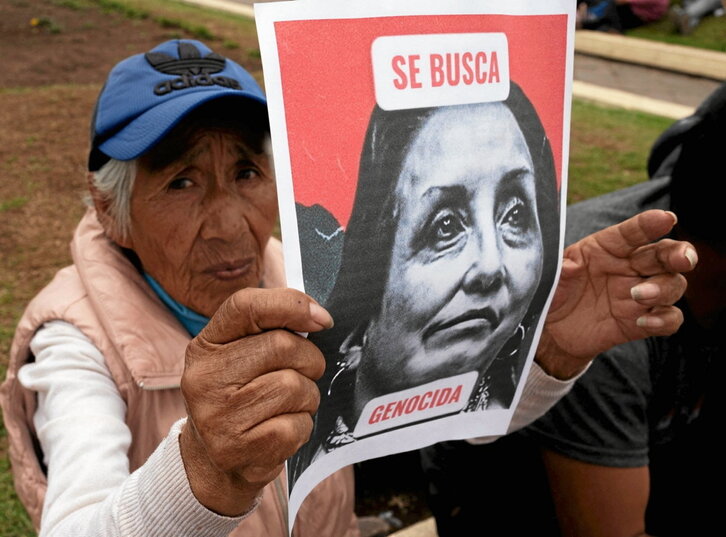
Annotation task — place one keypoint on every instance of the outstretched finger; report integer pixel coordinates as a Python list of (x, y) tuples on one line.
[(252, 311), (666, 255), (660, 321), (660, 290), (623, 239)]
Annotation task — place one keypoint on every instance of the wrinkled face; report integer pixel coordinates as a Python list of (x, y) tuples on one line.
[(200, 223), (467, 254)]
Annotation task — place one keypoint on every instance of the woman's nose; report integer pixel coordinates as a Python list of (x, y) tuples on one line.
[(485, 271), (224, 217)]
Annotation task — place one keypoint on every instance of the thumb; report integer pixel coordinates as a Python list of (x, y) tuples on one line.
[(252, 311)]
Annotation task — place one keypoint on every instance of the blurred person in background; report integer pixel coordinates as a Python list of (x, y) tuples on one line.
[(616, 16), (633, 448), (689, 14)]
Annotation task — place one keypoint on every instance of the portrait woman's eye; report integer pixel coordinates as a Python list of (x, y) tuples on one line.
[(516, 220), (443, 230)]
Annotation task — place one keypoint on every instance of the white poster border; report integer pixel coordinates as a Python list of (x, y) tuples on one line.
[(266, 16)]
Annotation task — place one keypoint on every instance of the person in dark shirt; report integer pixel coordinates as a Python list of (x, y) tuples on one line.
[(632, 449)]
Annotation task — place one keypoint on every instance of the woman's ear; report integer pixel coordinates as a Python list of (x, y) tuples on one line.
[(352, 347), (103, 213)]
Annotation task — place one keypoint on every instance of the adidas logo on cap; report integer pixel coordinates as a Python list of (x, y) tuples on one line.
[(193, 70)]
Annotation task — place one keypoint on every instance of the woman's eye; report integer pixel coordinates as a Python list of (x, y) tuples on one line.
[(447, 226), (516, 218), (180, 183), (247, 173), (443, 231)]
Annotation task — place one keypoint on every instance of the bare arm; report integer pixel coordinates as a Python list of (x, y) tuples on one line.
[(597, 501)]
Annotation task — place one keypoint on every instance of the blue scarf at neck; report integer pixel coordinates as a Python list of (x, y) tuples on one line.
[(191, 320)]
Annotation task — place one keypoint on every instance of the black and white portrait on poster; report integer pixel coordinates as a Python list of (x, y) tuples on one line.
[(421, 182)]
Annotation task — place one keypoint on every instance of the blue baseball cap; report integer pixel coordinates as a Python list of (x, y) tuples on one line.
[(146, 95)]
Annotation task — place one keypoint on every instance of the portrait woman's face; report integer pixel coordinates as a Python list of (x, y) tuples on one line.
[(467, 252)]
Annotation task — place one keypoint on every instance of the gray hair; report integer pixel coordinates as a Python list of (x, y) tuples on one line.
[(114, 183)]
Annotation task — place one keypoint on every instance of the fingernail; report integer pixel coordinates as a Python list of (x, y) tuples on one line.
[(647, 321), (320, 315), (692, 257), (645, 291), (675, 217)]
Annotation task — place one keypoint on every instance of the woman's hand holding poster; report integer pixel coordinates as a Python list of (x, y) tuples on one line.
[(420, 151)]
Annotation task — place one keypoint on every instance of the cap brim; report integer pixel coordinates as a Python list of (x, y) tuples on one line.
[(149, 128)]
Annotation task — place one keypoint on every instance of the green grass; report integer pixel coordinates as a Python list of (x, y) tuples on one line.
[(186, 15), (198, 31), (609, 148), (709, 34), (165, 21), (128, 10), (203, 24), (14, 522), (71, 4), (47, 24), (13, 203)]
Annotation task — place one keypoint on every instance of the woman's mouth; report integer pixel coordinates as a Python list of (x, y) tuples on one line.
[(230, 270), (474, 323)]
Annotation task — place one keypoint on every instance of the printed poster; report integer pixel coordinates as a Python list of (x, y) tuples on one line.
[(420, 151)]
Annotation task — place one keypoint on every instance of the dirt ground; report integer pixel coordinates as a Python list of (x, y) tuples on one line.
[(54, 59), (54, 55)]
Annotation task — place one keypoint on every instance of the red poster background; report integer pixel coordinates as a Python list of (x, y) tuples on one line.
[(327, 82)]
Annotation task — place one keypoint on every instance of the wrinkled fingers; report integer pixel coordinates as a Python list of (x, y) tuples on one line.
[(661, 290), (660, 321), (273, 394), (666, 255), (226, 416), (251, 311), (271, 443), (239, 362), (642, 229)]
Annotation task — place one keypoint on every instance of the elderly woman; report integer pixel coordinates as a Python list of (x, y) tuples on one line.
[(157, 385), (184, 206)]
